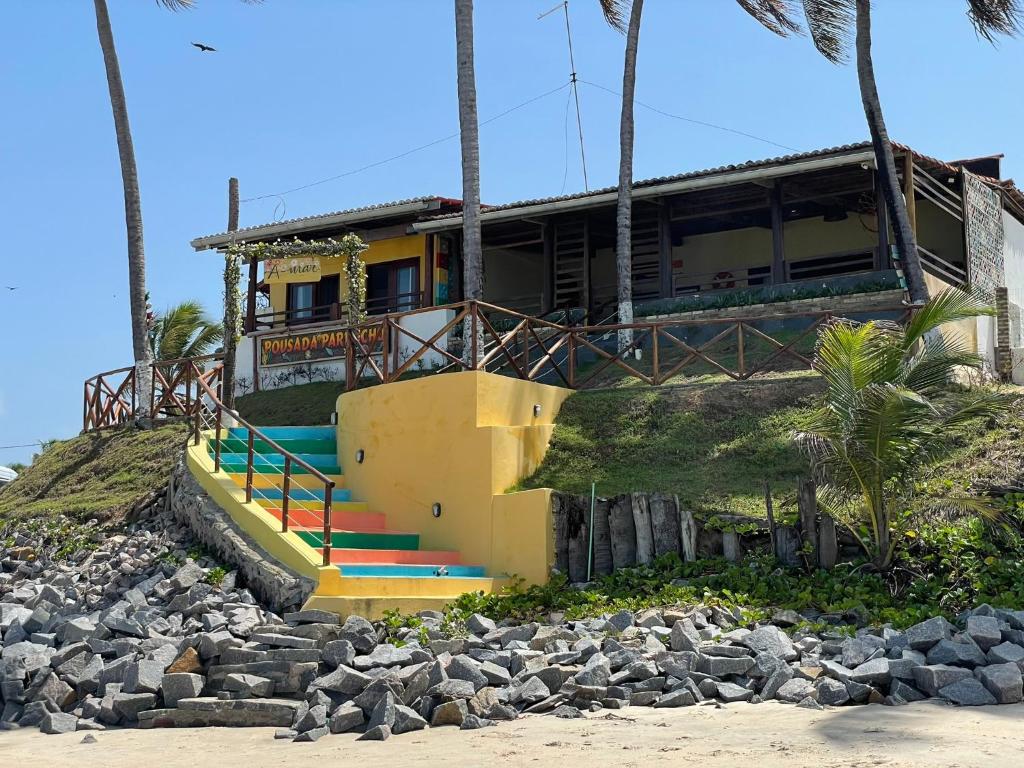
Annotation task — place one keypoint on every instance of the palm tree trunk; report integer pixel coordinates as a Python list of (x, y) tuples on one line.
[(624, 213), (132, 213), (472, 249), (906, 242), (231, 270)]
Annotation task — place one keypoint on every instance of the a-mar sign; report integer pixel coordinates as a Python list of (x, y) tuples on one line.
[(315, 346), (302, 269)]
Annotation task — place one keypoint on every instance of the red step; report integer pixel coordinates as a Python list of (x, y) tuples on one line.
[(340, 519)]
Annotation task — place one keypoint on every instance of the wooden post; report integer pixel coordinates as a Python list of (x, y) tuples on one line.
[(828, 543), (731, 546), (687, 533), (250, 300), (778, 273), (230, 308), (217, 447), (665, 250), (644, 533), (548, 289), (428, 282), (770, 513), (602, 538), (328, 491), (248, 468), (623, 532), (882, 258), (741, 366), (908, 189), (808, 505), (664, 524), (286, 491)]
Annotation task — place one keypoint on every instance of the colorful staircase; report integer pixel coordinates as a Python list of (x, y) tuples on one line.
[(376, 564)]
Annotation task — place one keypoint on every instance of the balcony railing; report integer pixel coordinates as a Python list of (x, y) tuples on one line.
[(290, 318)]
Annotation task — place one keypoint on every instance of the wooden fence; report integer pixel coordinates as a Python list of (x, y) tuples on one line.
[(179, 391)]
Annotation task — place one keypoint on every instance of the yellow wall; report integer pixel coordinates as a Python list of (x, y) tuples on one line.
[(378, 252), (458, 439)]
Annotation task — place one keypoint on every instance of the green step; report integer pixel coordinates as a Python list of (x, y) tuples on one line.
[(235, 445), (363, 539)]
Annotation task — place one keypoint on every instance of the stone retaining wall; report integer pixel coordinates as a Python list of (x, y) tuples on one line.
[(277, 587)]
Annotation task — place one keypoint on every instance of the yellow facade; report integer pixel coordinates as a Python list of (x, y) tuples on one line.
[(457, 440), (377, 252)]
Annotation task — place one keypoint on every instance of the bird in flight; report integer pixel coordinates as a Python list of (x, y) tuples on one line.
[(11, 287), (204, 48)]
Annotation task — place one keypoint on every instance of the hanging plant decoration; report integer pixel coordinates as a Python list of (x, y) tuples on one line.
[(232, 295), (350, 247)]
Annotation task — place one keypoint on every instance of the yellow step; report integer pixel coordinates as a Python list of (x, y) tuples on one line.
[(385, 587), (276, 481), (347, 506)]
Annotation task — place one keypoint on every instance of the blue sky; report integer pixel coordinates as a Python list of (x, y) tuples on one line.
[(301, 90)]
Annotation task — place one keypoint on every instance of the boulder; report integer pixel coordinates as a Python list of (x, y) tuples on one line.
[(181, 685), (1003, 681), (967, 692)]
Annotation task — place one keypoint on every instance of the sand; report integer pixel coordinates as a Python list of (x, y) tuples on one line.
[(766, 735)]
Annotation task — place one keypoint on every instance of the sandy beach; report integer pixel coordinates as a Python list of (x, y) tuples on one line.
[(768, 735)]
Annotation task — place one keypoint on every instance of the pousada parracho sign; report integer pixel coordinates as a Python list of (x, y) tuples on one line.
[(314, 346)]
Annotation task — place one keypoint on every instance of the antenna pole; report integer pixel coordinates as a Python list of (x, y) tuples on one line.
[(575, 88)]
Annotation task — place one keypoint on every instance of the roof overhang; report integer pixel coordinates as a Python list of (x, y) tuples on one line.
[(312, 223), (723, 179)]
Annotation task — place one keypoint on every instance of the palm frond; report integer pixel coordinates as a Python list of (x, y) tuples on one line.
[(177, 5), (775, 15), (965, 505), (947, 307), (996, 17), (831, 24), (615, 13)]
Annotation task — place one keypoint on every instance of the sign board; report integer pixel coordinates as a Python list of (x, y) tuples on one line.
[(303, 269), (323, 345)]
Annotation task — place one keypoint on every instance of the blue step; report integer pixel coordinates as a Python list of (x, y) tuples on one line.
[(318, 460), (289, 433), (413, 571), (302, 494)]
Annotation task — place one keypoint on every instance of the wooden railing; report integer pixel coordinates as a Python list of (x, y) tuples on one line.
[(947, 271), (214, 417), (112, 398)]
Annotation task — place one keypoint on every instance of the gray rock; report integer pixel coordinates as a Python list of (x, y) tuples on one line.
[(795, 690), (128, 705), (831, 692), (836, 670), (478, 624), (566, 712), (874, 672), (684, 636), (809, 703), (719, 666), (313, 734), (859, 692), (380, 733), (923, 636), (775, 681), (181, 685), (464, 668), (311, 616), (338, 653), (680, 698), (644, 698), (771, 640), (58, 722), (450, 713), (343, 680), (144, 677), (933, 677), (905, 692), (346, 718), (1005, 653), (313, 717), (967, 692), (1003, 681), (406, 720), (964, 654), (729, 692), (249, 685), (463, 689), (472, 723), (984, 630)]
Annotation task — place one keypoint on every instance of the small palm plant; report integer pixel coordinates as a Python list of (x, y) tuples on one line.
[(184, 331), (890, 403)]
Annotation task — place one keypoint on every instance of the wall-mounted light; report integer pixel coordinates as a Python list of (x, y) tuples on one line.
[(435, 509), (360, 455), (334, 418), (536, 410)]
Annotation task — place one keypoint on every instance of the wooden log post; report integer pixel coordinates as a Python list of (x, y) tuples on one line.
[(664, 524), (787, 545), (807, 503), (731, 550), (579, 539), (560, 520), (769, 509), (602, 538), (687, 533), (623, 532), (828, 543), (644, 532)]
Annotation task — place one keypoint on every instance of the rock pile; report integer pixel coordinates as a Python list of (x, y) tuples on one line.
[(127, 636)]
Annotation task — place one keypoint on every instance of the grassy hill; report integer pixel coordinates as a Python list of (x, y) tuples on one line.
[(95, 475)]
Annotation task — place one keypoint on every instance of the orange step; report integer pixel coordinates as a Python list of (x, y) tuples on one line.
[(340, 519), (393, 557)]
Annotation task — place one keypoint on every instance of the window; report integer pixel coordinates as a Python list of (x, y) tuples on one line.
[(393, 287), (312, 301)]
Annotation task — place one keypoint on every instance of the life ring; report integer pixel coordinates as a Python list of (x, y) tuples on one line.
[(726, 279)]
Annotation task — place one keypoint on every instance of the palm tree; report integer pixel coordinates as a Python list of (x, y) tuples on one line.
[(771, 13), (472, 249), (184, 331), (832, 23), (888, 409), (137, 296)]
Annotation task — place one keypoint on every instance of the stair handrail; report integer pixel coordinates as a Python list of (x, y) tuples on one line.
[(289, 459)]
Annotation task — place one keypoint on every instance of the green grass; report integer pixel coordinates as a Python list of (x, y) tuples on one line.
[(96, 475), (712, 444), (298, 406)]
